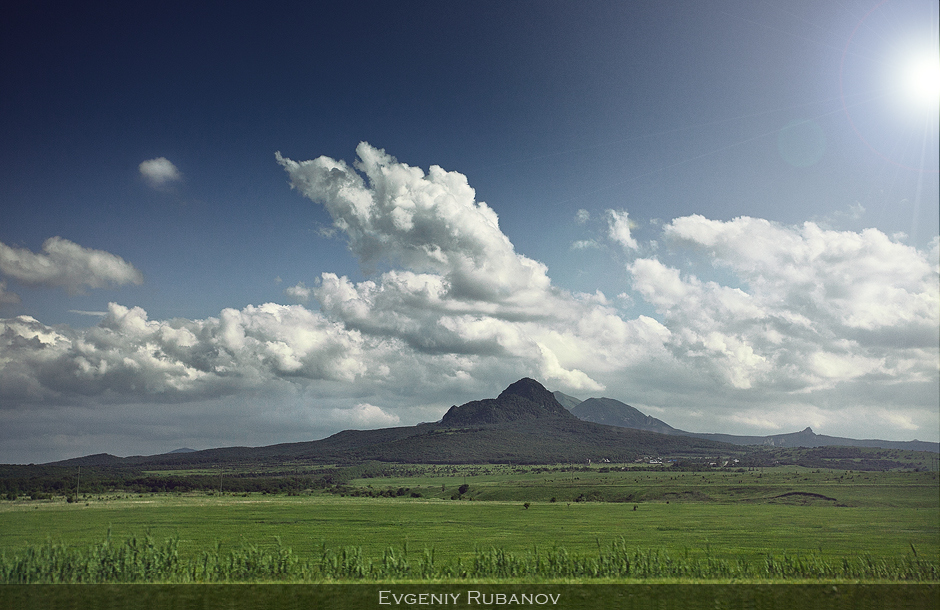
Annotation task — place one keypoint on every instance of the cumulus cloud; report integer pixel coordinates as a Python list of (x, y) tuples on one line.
[(462, 288), (817, 308), (618, 229), (855, 280), (429, 223), (160, 172), (299, 292), (65, 264), (807, 326), (129, 357)]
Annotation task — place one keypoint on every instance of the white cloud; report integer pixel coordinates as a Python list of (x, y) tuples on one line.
[(618, 229), (854, 280), (582, 216), (129, 357), (466, 307), (463, 289), (299, 292), (821, 328), (66, 264), (584, 244), (429, 223), (818, 308), (364, 415), (160, 172)]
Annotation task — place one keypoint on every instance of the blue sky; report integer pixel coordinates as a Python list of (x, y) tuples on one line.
[(724, 214)]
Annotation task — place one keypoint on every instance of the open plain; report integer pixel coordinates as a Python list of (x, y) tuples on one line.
[(461, 513)]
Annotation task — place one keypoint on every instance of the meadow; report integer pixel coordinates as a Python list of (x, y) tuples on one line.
[(435, 521)]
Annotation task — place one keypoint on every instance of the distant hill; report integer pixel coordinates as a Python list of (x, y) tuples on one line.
[(98, 459), (568, 402), (615, 413), (808, 438), (524, 424), (182, 450)]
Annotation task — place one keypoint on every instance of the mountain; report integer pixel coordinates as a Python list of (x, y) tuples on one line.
[(525, 399), (524, 424), (568, 402), (808, 438), (615, 413)]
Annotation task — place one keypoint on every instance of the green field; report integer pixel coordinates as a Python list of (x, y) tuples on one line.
[(728, 515)]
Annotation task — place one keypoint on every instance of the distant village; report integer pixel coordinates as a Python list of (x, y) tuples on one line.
[(660, 461)]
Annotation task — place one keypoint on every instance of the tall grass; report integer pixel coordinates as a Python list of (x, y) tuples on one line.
[(138, 560)]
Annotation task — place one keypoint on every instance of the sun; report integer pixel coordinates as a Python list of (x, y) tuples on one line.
[(921, 80), (889, 83)]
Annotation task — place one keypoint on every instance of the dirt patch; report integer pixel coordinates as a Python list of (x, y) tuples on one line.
[(804, 498)]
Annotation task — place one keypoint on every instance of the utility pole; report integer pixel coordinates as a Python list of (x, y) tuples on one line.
[(78, 480), (220, 479)]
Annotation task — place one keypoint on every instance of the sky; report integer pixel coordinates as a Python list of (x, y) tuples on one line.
[(232, 225)]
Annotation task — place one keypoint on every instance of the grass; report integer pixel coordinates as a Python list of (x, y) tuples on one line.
[(453, 529), (879, 522), (888, 489), (143, 560)]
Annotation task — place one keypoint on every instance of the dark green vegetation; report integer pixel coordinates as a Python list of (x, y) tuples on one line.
[(241, 475), (145, 560)]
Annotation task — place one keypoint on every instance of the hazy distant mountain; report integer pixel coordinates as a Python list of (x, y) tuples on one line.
[(808, 438), (612, 412), (615, 413), (182, 450), (568, 402)]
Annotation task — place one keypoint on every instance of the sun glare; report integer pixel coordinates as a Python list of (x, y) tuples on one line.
[(922, 80), (889, 80)]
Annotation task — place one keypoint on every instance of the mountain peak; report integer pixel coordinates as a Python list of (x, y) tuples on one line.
[(524, 399), (530, 389)]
